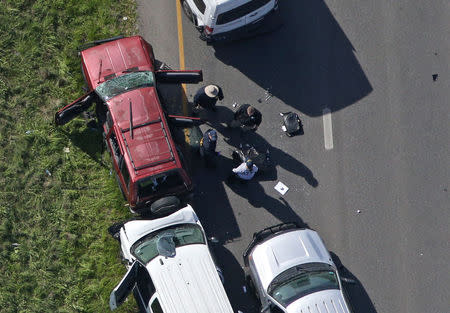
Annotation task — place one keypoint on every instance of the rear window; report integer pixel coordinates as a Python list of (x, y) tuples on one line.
[(240, 11), (159, 184), (200, 5)]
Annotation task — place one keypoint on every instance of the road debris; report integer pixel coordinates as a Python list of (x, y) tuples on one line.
[(48, 172), (281, 188), (358, 211), (66, 149), (435, 77)]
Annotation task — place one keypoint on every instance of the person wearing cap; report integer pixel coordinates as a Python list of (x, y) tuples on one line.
[(206, 97), (208, 146), (246, 117), (245, 171)]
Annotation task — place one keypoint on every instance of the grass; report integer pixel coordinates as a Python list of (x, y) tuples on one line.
[(57, 197)]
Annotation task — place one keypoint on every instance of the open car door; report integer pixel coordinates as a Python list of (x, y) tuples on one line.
[(179, 77), (124, 288), (72, 110)]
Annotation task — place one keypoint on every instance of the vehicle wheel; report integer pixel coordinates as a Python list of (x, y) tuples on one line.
[(187, 10), (114, 230), (165, 206)]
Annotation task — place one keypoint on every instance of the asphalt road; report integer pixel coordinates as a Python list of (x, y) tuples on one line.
[(371, 64)]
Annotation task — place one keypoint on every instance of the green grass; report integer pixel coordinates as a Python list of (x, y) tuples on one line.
[(55, 206)]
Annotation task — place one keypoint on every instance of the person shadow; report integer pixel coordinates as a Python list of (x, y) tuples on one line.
[(355, 291), (235, 137)]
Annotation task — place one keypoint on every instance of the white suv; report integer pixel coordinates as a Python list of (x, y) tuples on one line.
[(228, 19), (170, 268), (292, 271)]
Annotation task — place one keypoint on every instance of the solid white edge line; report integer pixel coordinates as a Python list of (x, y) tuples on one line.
[(327, 129)]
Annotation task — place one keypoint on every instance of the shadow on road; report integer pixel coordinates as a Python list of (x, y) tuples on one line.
[(234, 138), (358, 297), (309, 63)]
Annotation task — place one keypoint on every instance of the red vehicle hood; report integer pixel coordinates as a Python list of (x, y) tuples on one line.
[(114, 57)]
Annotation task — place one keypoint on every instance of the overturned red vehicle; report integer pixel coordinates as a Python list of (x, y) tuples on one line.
[(121, 76)]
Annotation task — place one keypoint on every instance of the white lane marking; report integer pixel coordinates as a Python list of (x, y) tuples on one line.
[(327, 129)]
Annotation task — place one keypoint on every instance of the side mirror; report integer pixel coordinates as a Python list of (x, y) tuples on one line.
[(213, 240), (348, 280)]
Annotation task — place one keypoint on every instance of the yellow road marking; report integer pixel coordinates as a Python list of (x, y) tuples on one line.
[(181, 53)]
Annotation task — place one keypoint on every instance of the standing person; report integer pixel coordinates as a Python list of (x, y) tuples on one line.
[(208, 146), (244, 172), (206, 97), (246, 117)]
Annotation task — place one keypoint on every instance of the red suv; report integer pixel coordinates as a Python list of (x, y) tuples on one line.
[(121, 77)]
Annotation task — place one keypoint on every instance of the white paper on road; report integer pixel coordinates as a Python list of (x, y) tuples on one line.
[(281, 188)]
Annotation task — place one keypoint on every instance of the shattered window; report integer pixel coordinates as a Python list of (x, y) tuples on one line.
[(125, 83)]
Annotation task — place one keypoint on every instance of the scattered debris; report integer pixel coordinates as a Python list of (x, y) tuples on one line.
[(244, 288), (435, 77), (267, 95), (125, 18), (15, 245), (110, 172), (66, 149), (48, 172), (234, 104), (358, 211), (29, 132), (421, 254), (281, 188)]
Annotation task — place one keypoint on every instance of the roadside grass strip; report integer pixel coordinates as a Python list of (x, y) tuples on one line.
[(57, 196)]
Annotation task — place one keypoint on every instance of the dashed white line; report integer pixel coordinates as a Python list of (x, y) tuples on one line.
[(327, 129)]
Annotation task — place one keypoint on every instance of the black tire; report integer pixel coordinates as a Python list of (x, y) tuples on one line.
[(165, 206), (187, 10), (114, 230)]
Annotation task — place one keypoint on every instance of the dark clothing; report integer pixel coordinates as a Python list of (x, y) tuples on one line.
[(208, 144), (242, 116), (203, 100)]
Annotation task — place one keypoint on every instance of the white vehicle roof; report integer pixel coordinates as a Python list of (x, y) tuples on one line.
[(322, 301), (277, 254), (135, 230), (188, 282)]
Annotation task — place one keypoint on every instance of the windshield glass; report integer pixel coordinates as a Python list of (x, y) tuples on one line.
[(164, 241), (303, 284), (124, 83), (159, 184)]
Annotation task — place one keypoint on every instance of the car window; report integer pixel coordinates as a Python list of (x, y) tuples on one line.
[(125, 173), (200, 4), (182, 234), (240, 11), (125, 83), (159, 183), (156, 307), (303, 284)]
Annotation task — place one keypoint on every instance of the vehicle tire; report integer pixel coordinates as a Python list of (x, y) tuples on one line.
[(251, 286), (165, 206), (187, 10)]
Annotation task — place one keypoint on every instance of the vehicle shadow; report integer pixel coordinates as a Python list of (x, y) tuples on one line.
[(309, 63), (88, 139), (358, 297), (234, 137), (241, 298)]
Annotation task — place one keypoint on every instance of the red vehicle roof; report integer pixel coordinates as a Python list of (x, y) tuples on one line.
[(151, 150), (114, 57)]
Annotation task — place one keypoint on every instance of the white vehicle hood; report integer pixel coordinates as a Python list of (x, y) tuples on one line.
[(331, 301), (135, 230), (188, 282), (284, 251)]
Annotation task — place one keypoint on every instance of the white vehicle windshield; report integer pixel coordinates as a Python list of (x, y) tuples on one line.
[(124, 83), (296, 283), (165, 241)]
